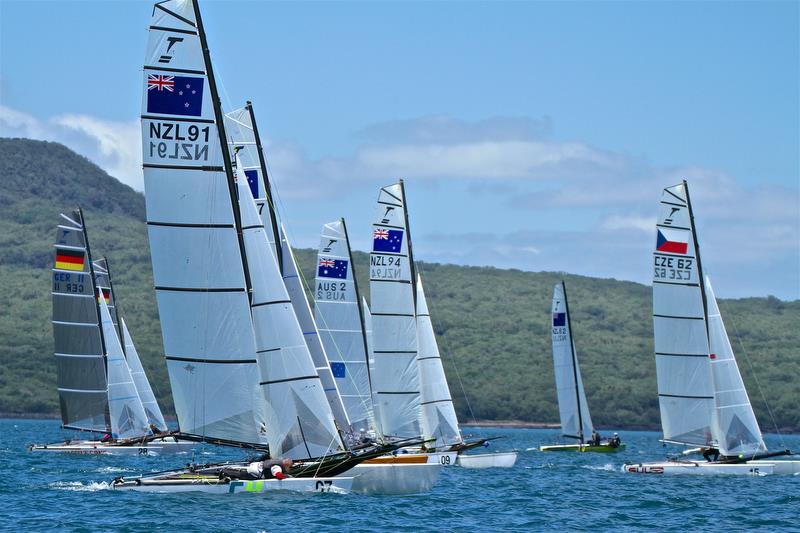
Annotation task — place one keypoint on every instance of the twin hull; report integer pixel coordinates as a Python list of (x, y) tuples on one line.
[(700, 468), (164, 446)]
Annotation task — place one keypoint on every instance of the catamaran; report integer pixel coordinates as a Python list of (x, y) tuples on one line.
[(101, 383), (701, 394), (410, 389), (576, 422), (240, 369)]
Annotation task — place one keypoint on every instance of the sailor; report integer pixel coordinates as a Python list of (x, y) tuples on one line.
[(595, 440), (710, 452), (614, 442), (154, 429), (106, 437), (279, 469)]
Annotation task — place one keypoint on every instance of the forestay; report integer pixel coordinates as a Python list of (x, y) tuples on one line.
[(128, 418), (395, 376), (338, 315), (78, 343), (686, 395), (573, 410), (149, 402), (735, 427), (439, 420), (300, 423), (201, 285)]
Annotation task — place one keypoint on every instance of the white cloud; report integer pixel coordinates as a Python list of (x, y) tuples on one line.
[(618, 222), (114, 146)]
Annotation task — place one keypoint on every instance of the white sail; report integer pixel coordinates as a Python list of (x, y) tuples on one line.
[(439, 420), (685, 391), (201, 286), (300, 424), (395, 376), (149, 402), (128, 418), (337, 311), (735, 426), (572, 407), (297, 294), (77, 336)]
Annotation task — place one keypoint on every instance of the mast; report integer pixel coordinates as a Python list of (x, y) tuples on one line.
[(574, 363), (267, 188), (700, 275), (223, 141), (360, 306), (411, 263), (116, 303)]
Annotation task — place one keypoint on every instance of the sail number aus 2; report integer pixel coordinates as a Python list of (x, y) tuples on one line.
[(672, 268)]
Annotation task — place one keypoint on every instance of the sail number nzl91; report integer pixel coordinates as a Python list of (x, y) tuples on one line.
[(178, 141), (671, 268)]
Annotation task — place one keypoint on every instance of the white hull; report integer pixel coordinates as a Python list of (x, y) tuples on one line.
[(704, 468), (488, 460), (167, 445), (339, 485), (415, 454), (394, 479)]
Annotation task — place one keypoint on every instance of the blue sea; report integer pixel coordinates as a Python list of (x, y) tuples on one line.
[(544, 491)]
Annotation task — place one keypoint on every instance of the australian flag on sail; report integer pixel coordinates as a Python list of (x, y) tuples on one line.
[(252, 181), (175, 95), (338, 370), (559, 320), (387, 240), (332, 268)]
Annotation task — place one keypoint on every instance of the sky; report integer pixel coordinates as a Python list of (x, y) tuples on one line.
[(531, 135)]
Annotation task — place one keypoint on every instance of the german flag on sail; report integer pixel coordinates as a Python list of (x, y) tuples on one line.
[(69, 259), (106, 294)]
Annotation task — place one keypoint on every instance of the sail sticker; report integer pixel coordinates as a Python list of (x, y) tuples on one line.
[(672, 241), (175, 95), (332, 268), (69, 260), (559, 320), (338, 370), (252, 181), (106, 295), (387, 240)]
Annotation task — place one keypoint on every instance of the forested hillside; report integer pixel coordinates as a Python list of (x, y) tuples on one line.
[(493, 324)]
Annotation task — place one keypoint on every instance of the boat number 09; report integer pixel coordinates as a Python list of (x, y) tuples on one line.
[(445, 459), (323, 486)]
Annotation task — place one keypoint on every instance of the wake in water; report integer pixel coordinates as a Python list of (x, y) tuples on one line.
[(77, 486), (608, 467)]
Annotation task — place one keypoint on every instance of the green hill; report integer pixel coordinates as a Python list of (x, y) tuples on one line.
[(493, 323)]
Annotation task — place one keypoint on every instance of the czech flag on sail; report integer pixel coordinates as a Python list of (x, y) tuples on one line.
[(559, 319), (672, 241), (252, 181), (69, 259), (384, 240), (175, 95), (106, 294), (332, 268), (338, 370)]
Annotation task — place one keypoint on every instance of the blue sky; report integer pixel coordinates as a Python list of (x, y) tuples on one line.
[(531, 135)]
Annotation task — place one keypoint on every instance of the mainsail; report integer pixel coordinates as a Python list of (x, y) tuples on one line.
[(340, 321), (572, 407), (395, 376), (735, 427), (685, 390), (149, 401), (78, 339), (439, 420), (300, 423), (105, 289), (201, 280), (128, 418)]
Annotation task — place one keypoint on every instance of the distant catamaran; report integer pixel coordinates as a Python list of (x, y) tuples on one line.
[(576, 422), (101, 382), (700, 390)]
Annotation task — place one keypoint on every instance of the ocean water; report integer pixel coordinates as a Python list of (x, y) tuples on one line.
[(544, 491)]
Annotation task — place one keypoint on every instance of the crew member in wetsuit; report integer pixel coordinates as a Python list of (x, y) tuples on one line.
[(595, 440), (710, 452), (614, 441)]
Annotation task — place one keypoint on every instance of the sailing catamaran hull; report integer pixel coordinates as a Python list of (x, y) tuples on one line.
[(701, 468), (603, 448), (394, 478), (212, 485), (416, 457), (169, 445), (488, 460)]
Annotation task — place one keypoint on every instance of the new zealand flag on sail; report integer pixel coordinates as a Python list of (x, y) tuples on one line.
[(559, 320), (387, 240), (252, 180), (338, 370), (175, 95), (332, 268)]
